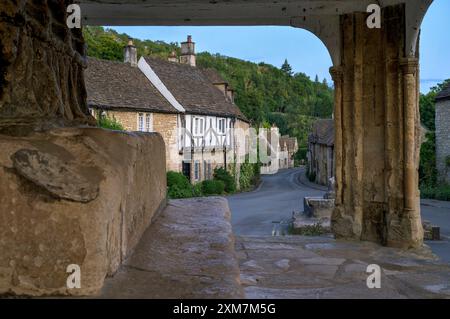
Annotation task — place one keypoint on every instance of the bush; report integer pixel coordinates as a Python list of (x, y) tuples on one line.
[(311, 176), (221, 174), (175, 192), (427, 167), (110, 123), (197, 190), (179, 186), (249, 176), (175, 178), (213, 187), (440, 192)]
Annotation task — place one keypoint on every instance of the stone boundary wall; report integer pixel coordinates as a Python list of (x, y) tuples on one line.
[(79, 196)]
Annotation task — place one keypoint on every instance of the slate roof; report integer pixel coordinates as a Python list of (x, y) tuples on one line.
[(322, 132), (213, 76), (117, 85), (444, 94), (193, 89)]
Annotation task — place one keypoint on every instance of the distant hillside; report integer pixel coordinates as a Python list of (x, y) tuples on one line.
[(265, 94)]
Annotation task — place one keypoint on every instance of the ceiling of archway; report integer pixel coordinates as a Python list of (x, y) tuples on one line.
[(217, 12), (321, 17)]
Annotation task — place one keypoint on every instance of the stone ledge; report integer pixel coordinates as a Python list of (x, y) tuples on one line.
[(188, 252), (79, 196)]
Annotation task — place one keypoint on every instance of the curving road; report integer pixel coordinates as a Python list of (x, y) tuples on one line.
[(281, 194), (277, 197)]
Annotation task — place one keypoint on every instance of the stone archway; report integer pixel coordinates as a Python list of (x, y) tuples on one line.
[(377, 123), (376, 113)]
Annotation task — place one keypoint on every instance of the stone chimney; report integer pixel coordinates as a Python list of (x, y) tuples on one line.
[(130, 53), (173, 57), (188, 52), (230, 94)]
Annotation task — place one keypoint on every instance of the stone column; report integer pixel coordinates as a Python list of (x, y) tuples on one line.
[(377, 142), (404, 228), (409, 73), (337, 75)]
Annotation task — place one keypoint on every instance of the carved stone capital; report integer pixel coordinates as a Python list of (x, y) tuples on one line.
[(409, 65), (337, 73)]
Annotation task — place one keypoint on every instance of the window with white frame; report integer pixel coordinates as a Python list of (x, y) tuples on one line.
[(221, 126), (199, 125), (148, 122), (145, 122), (141, 122)]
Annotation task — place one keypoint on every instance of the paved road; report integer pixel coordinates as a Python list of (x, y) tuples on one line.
[(281, 194), (278, 196), (438, 213)]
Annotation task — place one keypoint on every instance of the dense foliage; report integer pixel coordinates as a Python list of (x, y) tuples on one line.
[(178, 186), (249, 176), (110, 123), (221, 174), (429, 186), (213, 187), (264, 93)]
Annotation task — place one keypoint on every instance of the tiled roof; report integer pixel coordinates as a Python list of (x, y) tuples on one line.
[(444, 94), (322, 132), (116, 85), (192, 89)]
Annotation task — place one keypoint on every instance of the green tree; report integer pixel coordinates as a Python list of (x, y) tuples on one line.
[(286, 68)]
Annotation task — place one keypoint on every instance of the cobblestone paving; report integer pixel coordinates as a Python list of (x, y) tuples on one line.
[(320, 267)]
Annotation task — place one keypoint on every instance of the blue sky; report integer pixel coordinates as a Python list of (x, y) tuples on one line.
[(304, 51)]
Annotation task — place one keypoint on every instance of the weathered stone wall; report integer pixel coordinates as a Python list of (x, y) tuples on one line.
[(127, 119), (377, 133), (321, 162), (75, 196), (443, 139), (41, 61), (166, 125)]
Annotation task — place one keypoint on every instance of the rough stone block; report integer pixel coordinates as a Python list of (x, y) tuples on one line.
[(318, 207), (79, 196)]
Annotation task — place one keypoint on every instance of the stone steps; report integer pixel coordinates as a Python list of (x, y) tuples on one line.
[(187, 252)]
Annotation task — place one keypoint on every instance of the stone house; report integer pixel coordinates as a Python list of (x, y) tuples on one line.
[(321, 151), (192, 108), (443, 135), (280, 151), (288, 148)]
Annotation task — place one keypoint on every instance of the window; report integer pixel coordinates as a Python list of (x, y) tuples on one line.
[(141, 122), (197, 170), (145, 122), (199, 126), (148, 122), (221, 126)]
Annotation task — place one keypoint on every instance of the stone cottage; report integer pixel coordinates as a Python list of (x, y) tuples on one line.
[(288, 148), (280, 151), (321, 164), (443, 135), (192, 108)]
